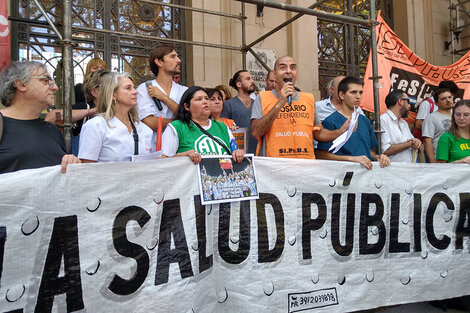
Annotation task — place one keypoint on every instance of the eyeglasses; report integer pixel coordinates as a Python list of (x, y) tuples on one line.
[(46, 79), (405, 99)]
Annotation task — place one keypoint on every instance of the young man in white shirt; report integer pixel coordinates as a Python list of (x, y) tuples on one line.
[(397, 141), (164, 63)]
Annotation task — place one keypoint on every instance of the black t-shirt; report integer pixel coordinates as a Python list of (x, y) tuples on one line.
[(79, 93), (80, 106), (29, 144)]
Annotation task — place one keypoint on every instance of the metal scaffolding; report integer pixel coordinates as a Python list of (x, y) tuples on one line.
[(371, 22), (459, 22), (66, 42)]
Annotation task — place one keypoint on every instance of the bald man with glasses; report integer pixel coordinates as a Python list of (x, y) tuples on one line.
[(26, 89), (397, 141)]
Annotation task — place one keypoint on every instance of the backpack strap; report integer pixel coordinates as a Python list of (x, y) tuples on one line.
[(223, 145), (135, 135), (431, 109)]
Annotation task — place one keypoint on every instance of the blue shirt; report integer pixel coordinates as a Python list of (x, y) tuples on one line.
[(237, 111), (324, 108), (360, 142)]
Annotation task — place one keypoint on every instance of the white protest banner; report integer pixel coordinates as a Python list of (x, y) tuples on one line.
[(323, 237)]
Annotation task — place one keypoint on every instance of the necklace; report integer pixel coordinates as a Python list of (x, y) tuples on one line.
[(124, 121)]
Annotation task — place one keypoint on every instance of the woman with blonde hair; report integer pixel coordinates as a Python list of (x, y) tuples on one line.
[(454, 145), (116, 133), (225, 92), (93, 65)]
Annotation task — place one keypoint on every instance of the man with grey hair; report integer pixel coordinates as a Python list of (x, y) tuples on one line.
[(26, 89), (270, 81), (325, 107)]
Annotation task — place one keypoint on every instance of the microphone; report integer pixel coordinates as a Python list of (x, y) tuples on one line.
[(289, 97), (157, 102)]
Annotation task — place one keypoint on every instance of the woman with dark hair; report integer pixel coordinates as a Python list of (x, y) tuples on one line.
[(454, 145), (193, 133), (216, 104)]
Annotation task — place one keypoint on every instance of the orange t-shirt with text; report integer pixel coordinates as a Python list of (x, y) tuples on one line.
[(291, 133)]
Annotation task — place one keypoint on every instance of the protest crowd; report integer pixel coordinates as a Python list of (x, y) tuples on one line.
[(116, 120)]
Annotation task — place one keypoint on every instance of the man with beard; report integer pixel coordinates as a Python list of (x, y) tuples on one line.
[(284, 120), (428, 106), (239, 108), (161, 91), (397, 141), (438, 122)]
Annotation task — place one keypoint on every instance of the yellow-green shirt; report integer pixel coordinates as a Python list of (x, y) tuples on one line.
[(451, 149)]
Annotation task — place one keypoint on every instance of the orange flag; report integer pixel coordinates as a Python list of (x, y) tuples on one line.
[(401, 69), (4, 35), (159, 133)]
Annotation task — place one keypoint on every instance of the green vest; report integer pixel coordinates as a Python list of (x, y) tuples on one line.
[(191, 137)]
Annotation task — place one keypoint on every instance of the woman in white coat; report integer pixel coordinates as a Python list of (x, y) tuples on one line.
[(116, 133)]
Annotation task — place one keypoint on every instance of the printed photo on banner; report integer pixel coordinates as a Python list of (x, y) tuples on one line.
[(222, 180), (241, 138)]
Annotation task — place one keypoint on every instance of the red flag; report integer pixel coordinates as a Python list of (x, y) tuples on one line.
[(4, 35), (159, 133), (225, 164), (401, 69)]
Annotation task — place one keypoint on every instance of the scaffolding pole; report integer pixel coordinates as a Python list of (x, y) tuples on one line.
[(51, 24), (375, 78), (320, 14), (243, 37), (281, 26), (180, 41), (456, 27), (67, 78), (66, 42), (273, 31), (204, 11)]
